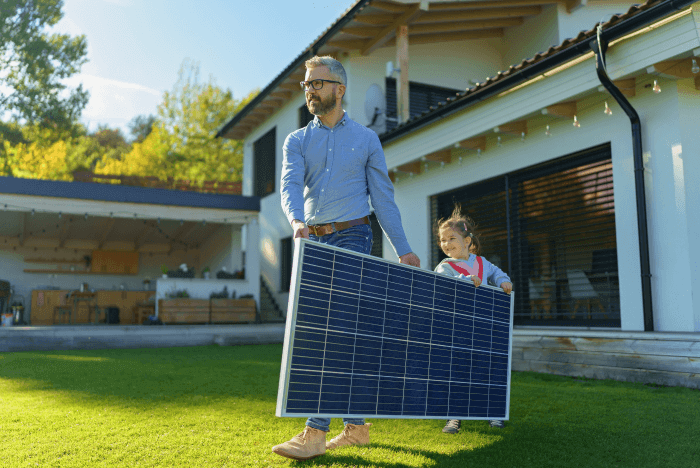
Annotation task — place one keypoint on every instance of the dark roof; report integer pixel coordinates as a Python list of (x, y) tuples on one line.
[(126, 194)]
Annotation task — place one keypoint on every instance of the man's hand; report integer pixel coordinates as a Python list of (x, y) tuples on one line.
[(410, 259), (300, 229), (507, 287)]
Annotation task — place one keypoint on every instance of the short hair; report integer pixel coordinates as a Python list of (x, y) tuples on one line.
[(334, 67)]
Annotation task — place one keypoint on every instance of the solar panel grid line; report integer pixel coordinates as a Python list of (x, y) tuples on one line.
[(420, 328)]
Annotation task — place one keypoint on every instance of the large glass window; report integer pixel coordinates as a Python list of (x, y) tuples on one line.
[(552, 229)]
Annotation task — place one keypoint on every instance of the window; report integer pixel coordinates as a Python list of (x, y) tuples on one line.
[(286, 258), (264, 164), (420, 98), (552, 229), (305, 116)]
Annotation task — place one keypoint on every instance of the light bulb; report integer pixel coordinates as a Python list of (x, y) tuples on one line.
[(656, 88), (460, 160), (442, 164), (60, 215), (426, 167), (499, 141), (695, 68), (576, 123), (522, 136), (478, 151), (607, 110), (547, 132)]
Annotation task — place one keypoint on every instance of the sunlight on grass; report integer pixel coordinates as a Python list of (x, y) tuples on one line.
[(214, 406)]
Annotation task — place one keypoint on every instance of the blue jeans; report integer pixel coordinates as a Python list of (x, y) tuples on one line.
[(359, 239)]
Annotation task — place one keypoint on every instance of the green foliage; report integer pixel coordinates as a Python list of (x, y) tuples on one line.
[(33, 63), (141, 126)]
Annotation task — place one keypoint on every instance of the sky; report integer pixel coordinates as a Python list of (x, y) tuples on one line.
[(136, 47)]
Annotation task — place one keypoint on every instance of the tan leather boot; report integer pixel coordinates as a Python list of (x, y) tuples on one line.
[(309, 443), (352, 435)]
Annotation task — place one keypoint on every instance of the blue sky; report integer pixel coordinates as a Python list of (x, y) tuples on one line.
[(136, 47)]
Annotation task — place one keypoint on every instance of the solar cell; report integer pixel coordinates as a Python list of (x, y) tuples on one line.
[(366, 337)]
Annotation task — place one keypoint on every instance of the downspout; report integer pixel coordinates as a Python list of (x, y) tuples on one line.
[(600, 47)]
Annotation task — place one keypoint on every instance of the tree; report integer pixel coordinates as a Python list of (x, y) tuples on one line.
[(33, 63), (183, 143), (141, 126)]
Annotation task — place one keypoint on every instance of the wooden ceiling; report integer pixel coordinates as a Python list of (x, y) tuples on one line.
[(375, 27)]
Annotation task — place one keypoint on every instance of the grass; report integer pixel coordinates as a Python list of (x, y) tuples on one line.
[(214, 407)]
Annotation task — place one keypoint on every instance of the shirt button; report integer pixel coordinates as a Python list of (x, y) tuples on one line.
[(326, 170), (330, 149), (323, 190)]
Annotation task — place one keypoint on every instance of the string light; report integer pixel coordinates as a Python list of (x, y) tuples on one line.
[(607, 110), (547, 132), (656, 88), (498, 142), (478, 151), (695, 68), (60, 215), (522, 136), (460, 160), (442, 164), (86, 217), (32, 211), (576, 122)]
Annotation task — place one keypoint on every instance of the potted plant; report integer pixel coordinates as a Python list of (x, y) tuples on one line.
[(206, 273), (164, 270)]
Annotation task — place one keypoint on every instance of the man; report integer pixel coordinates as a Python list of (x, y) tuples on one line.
[(331, 169)]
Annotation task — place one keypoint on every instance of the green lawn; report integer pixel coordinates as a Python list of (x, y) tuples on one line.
[(214, 407)]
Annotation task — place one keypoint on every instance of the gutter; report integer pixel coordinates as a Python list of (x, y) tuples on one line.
[(601, 46), (613, 32), (303, 57)]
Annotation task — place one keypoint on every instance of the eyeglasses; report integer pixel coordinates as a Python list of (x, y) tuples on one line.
[(315, 84)]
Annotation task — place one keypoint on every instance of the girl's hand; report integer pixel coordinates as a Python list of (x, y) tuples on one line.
[(476, 280), (507, 287)]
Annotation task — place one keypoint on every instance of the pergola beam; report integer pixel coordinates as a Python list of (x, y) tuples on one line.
[(565, 110), (389, 30), (463, 26), (515, 128), (474, 143), (485, 14), (450, 37)]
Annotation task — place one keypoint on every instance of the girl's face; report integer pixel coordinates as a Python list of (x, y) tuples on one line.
[(453, 244)]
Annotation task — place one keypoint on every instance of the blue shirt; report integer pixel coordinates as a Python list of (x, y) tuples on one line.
[(329, 175)]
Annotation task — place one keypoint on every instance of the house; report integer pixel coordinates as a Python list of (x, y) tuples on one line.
[(69, 251), (566, 129)]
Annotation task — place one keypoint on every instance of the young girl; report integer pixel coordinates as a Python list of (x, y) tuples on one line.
[(456, 237)]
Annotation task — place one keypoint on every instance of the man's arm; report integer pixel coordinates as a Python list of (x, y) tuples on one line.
[(292, 182), (381, 192)]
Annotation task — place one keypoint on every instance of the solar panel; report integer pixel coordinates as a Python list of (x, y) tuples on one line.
[(366, 337)]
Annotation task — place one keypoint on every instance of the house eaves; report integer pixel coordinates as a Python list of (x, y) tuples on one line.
[(637, 17)]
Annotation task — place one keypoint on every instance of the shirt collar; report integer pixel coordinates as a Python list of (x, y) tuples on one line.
[(342, 121)]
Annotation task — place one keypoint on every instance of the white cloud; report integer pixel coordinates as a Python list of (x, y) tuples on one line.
[(114, 102)]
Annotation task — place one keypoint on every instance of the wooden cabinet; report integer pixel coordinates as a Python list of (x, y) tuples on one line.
[(183, 310), (115, 262), (126, 301), (44, 301), (232, 310)]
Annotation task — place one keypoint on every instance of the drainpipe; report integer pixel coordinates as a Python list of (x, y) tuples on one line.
[(600, 47)]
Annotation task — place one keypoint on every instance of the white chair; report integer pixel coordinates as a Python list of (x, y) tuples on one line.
[(540, 298), (582, 292)]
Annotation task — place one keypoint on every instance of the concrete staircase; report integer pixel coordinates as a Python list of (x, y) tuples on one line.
[(270, 312)]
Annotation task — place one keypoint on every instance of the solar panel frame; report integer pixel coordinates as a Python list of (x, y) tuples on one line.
[(294, 332)]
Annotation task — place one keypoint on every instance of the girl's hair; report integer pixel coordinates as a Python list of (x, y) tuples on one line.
[(463, 225)]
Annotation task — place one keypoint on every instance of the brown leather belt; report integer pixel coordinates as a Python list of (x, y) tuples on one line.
[(324, 229)]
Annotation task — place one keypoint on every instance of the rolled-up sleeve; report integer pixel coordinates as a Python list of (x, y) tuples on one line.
[(292, 181), (381, 192)]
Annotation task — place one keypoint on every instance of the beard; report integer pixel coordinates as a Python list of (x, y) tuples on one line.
[(319, 106)]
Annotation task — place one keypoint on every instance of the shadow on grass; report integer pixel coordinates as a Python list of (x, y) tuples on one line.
[(163, 374)]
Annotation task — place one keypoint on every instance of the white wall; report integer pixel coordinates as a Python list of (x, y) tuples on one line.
[(222, 249), (586, 17)]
